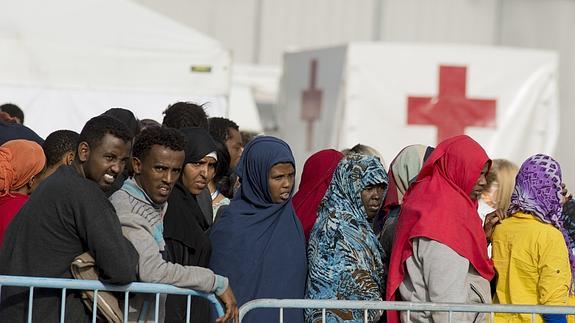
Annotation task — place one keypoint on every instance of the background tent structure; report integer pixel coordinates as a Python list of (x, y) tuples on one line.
[(64, 61), (260, 31), (390, 95)]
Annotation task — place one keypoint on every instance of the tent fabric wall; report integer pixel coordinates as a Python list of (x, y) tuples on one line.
[(65, 61), (106, 44), (49, 109), (365, 88)]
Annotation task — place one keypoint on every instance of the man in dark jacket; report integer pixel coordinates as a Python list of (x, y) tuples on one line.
[(66, 216)]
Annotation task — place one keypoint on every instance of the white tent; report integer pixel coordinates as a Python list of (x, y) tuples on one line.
[(64, 61), (390, 95), (253, 84)]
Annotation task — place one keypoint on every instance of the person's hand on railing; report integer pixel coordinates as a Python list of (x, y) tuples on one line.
[(231, 304)]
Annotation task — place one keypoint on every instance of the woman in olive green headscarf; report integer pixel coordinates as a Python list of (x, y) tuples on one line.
[(402, 172)]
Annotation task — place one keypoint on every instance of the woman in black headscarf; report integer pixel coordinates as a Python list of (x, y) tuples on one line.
[(185, 224)]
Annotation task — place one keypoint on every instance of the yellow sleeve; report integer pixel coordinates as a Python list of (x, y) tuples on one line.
[(554, 269)]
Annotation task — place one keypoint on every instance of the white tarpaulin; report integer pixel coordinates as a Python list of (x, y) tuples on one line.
[(64, 61), (392, 95)]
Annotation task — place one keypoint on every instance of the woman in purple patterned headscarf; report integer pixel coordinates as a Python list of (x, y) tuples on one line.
[(532, 252)]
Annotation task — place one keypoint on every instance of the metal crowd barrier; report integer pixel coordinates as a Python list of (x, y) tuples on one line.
[(282, 304), (95, 285)]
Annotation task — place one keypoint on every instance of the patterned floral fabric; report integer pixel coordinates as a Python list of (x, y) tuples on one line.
[(538, 192), (345, 257)]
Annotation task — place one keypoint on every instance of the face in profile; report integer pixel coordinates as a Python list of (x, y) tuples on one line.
[(198, 174), (158, 171), (489, 195), (234, 146), (281, 179), (66, 159), (105, 161), (35, 181), (480, 184), (372, 198)]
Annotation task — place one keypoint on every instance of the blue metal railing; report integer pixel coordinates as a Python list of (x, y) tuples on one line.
[(95, 285), (282, 304)]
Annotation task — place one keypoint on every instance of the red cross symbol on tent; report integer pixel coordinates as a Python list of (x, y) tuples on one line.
[(311, 104), (451, 111)]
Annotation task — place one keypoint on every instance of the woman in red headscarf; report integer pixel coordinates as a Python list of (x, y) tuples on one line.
[(316, 176), (440, 249), (20, 163)]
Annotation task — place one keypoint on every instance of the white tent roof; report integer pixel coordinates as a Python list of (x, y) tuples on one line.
[(65, 61), (106, 44)]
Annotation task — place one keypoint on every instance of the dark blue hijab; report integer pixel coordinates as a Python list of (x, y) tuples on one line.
[(259, 245)]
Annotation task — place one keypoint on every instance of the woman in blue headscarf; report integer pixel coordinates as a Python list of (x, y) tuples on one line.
[(258, 242), (345, 257)]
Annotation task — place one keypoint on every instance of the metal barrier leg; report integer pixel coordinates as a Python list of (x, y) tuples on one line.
[(30, 304), (408, 316), (532, 317), (365, 316), (281, 315), (323, 315), (126, 305), (492, 317), (95, 307), (157, 308), (450, 316), (63, 306), (188, 308)]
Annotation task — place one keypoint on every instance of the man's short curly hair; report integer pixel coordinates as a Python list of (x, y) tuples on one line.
[(127, 117), (13, 110), (57, 144), (184, 115), (98, 127), (162, 136), (219, 128)]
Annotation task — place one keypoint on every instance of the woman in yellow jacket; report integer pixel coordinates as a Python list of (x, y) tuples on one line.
[(531, 249)]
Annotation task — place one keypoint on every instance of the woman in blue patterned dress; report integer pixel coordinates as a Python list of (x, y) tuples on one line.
[(344, 255)]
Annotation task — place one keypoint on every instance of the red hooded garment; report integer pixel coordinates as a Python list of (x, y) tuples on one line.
[(438, 207), (315, 179)]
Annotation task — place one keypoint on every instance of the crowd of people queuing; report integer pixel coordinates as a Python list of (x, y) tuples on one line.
[(189, 203)]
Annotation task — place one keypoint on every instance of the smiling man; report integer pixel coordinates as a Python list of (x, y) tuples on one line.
[(141, 204), (66, 216)]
